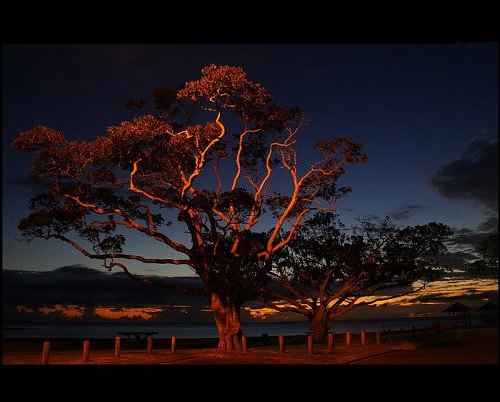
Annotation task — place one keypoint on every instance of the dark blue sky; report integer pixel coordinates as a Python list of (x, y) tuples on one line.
[(426, 114)]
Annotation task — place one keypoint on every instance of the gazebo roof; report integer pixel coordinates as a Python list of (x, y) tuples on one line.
[(456, 307), (490, 306)]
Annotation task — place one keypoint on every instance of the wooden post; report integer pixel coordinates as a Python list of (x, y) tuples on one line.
[(362, 336), (244, 343), (45, 353), (389, 335), (377, 336), (309, 344), (173, 344), (281, 340), (413, 331), (401, 333), (117, 346), (330, 342), (86, 350), (348, 338), (150, 344)]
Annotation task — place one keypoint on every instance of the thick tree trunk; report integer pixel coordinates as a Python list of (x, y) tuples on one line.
[(319, 326), (227, 318)]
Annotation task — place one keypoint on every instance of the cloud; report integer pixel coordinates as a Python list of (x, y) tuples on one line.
[(80, 294), (404, 213), (79, 285), (456, 259), (456, 285), (490, 224), (87, 295), (467, 237), (70, 311), (113, 313), (472, 177)]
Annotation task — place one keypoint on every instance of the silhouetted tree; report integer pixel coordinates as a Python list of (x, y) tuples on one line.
[(487, 263), (324, 272), (207, 163)]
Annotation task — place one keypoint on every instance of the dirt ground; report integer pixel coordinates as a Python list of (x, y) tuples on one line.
[(464, 346)]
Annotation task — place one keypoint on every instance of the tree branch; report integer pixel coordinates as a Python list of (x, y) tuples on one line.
[(172, 261), (133, 224), (150, 281), (299, 307), (391, 297), (201, 159)]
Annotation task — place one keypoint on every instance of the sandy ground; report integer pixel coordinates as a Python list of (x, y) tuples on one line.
[(464, 346)]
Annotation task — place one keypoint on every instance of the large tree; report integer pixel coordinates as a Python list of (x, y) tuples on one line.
[(220, 160), (324, 272)]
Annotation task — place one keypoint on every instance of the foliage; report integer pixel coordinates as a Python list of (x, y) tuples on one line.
[(487, 263), (211, 156), (326, 271)]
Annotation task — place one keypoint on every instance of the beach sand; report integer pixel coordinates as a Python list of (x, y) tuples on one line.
[(458, 346)]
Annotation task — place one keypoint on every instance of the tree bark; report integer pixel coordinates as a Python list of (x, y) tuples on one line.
[(227, 318), (319, 326)]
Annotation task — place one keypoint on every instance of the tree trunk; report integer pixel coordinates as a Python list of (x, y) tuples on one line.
[(227, 318), (319, 326)]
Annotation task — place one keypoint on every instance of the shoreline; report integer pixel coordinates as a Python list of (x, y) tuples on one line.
[(73, 330)]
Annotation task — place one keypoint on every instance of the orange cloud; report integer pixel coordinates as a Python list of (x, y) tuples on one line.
[(261, 313), (70, 311), (23, 309), (445, 288), (114, 313)]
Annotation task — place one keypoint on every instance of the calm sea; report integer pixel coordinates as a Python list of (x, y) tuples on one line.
[(103, 331)]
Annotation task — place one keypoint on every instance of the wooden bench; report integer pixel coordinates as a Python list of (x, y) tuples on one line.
[(137, 334)]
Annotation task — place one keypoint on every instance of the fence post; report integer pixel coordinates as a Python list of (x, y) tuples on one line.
[(281, 340), (244, 343), (413, 331), (330, 342), (377, 336), (117, 346), (150, 345), (348, 338), (310, 344), (389, 335), (401, 333), (362, 336), (45, 353), (173, 344), (86, 350)]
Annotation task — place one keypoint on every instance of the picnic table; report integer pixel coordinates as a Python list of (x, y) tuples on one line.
[(136, 334)]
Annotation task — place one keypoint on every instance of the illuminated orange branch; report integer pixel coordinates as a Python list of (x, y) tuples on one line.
[(201, 159), (132, 224)]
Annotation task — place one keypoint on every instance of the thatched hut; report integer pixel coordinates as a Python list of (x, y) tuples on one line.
[(489, 314), (458, 308)]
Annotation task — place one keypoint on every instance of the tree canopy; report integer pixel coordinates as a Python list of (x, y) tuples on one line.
[(326, 271), (209, 161)]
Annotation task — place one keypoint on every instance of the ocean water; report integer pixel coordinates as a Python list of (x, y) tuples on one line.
[(103, 331)]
